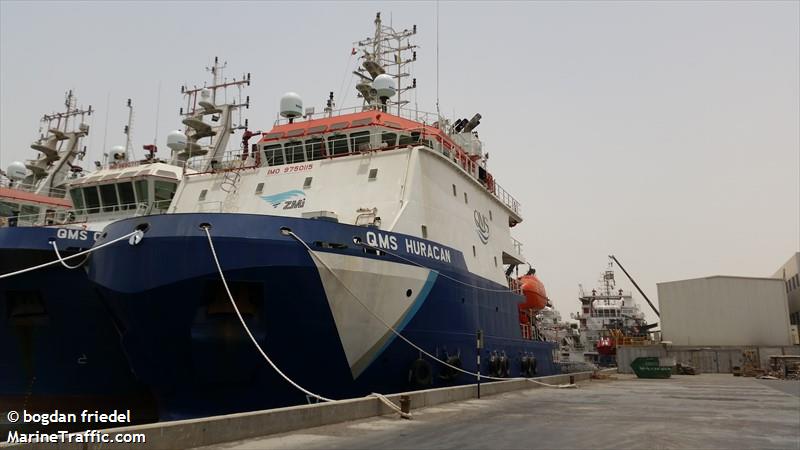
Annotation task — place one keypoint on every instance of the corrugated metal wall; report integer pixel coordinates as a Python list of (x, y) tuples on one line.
[(724, 311)]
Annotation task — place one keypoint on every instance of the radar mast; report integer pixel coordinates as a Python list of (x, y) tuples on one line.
[(389, 52), (204, 101)]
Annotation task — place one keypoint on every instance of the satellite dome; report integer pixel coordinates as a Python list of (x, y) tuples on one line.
[(176, 140), (118, 153), (291, 105), (384, 86), (16, 171), (205, 94)]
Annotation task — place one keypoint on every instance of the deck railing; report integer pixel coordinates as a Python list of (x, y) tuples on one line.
[(32, 188), (517, 246), (238, 160), (84, 215)]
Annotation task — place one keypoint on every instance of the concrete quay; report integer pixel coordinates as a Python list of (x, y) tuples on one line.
[(708, 411), (213, 431)]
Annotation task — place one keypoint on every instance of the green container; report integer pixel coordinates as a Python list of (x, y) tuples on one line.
[(649, 367)]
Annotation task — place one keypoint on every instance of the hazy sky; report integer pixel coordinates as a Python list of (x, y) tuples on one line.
[(663, 132)]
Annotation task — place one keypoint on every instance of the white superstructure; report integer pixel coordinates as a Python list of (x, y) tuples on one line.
[(607, 308), (380, 165)]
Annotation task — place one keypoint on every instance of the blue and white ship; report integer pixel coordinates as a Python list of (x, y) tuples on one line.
[(61, 348), (336, 226)]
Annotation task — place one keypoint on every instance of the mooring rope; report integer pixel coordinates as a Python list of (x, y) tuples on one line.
[(61, 260), (380, 397), (63, 263)]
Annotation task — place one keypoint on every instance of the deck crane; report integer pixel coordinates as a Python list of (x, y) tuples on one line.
[(614, 258)]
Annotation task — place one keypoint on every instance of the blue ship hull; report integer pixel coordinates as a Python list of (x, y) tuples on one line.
[(60, 348), (184, 341)]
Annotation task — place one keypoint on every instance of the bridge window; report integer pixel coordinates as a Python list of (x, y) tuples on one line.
[(77, 198), (30, 212), (126, 198), (141, 191), (294, 152), (338, 145), (360, 141), (163, 192), (390, 139), (108, 194), (259, 188), (92, 199), (406, 140), (8, 209), (273, 154), (315, 149)]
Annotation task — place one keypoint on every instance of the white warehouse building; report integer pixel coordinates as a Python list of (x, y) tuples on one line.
[(725, 311)]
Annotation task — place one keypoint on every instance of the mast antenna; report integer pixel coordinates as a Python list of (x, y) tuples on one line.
[(128, 130), (388, 51), (158, 108), (105, 130), (438, 113)]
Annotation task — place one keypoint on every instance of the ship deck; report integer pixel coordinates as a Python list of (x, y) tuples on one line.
[(701, 411)]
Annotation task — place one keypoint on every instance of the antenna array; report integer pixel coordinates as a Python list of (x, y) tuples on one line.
[(387, 51)]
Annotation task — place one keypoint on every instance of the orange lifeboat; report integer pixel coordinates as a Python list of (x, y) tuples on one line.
[(533, 290)]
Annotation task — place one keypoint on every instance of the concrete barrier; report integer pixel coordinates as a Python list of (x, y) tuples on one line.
[(234, 427), (705, 359)]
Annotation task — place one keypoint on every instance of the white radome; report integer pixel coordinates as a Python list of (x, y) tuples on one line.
[(176, 140), (16, 171), (291, 105), (118, 153), (384, 86)]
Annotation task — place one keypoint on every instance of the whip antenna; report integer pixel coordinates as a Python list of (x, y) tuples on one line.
[(437, 60)]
